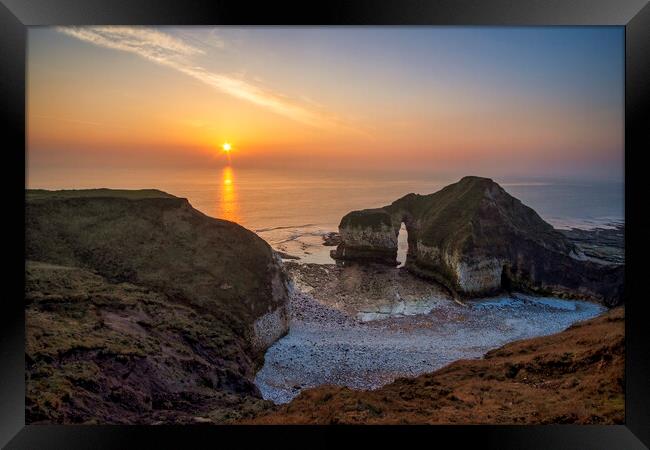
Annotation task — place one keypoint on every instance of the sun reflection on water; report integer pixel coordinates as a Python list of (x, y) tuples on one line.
[(228, 205)]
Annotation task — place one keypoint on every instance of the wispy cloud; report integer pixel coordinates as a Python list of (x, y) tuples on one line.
[(165, 49), (146, 42), (203, 38)]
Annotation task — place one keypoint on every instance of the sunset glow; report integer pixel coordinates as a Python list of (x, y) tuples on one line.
[(521, 101), (260, 210), (228, 207)]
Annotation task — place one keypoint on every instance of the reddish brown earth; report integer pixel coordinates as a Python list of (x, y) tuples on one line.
[(576, 376)]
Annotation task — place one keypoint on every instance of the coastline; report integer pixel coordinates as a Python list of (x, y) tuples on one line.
[(311, 243), (349, 308), (363, 327), (143, 356)]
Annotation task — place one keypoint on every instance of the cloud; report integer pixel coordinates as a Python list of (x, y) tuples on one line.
[(146, 42), (170, 51), (209, 38)]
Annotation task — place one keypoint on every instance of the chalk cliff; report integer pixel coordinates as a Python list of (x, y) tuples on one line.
[(476, 239)]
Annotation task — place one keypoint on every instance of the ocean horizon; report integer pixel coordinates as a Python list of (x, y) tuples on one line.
[(293, 210)]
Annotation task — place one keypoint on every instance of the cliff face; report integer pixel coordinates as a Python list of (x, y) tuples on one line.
[(576, 376), (476, 239), (141, 285), (368, 235)]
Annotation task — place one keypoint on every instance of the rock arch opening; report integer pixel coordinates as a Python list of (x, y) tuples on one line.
[(402, 245)]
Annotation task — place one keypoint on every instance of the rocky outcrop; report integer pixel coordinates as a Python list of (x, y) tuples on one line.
[(600, 244), (331, 239), (367, 235), (476, 239), (139, 284)]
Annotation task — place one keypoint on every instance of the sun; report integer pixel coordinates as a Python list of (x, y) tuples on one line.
[(226, 147)]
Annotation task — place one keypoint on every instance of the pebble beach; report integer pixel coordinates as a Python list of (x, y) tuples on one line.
[(394, 329)]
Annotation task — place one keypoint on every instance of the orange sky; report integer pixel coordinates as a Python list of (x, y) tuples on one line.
[(518, 101)]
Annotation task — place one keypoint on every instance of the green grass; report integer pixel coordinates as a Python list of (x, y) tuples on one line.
[(132, 194), (373, 218)]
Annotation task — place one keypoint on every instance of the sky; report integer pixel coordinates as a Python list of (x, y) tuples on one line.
[(492, 101)]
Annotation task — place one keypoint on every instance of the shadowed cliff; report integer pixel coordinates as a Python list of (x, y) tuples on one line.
[(476, 239), (141, 309)]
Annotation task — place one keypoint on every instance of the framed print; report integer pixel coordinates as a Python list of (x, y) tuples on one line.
[(353, 219)]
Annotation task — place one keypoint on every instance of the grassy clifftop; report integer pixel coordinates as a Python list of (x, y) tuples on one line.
[(476, 211), (160, 241), (133, 194), (142, 309)]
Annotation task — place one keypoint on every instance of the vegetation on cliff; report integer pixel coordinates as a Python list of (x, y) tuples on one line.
[(141, 309), (476, 239)]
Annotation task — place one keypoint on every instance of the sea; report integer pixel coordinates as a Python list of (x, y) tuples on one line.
[(292, 210)]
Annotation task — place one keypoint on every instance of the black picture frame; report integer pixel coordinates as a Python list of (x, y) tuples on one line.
[(17, 15)]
